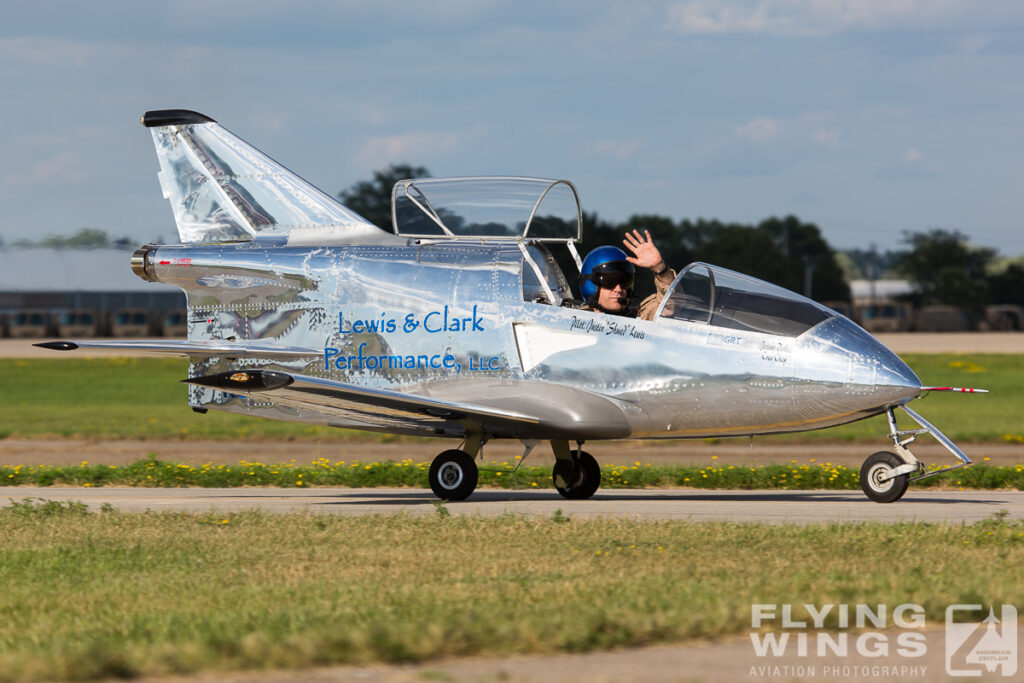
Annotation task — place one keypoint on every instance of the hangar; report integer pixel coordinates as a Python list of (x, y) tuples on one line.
[(86, 292)]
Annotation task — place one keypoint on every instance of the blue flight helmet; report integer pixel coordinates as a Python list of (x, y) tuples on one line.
[(603, 267)]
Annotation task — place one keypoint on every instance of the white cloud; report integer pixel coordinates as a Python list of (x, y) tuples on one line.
[(616, 149), (812, 17), (760, 130), (711, 18), (911, 156), (911, 165), (47, 51), (409, 147), (59, 168), (974, 43), (826, 138)]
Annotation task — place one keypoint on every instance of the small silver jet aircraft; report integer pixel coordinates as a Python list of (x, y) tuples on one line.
[(461, 324)]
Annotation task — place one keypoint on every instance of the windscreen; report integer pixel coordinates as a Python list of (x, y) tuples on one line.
[(690, 298), (724, 298), (532, 288)]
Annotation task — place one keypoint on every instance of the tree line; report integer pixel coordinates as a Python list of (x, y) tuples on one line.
[(84, 238), (787, 251)]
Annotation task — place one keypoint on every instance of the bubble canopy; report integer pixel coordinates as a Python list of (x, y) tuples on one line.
[(703, 293), (487, 207)]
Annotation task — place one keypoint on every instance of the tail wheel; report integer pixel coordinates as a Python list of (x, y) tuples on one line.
[(877, 467), (453, 475), (579, 478)]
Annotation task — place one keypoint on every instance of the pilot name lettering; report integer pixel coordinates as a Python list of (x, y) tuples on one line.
[(432, 322), (622, 330), (586, 325), (776, 353), (618, 329)]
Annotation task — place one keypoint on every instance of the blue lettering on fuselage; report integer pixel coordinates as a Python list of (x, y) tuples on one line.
[(432, 322), (334, 360), (441, 321)]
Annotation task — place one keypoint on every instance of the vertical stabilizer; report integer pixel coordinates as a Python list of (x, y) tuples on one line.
[(222, 189)]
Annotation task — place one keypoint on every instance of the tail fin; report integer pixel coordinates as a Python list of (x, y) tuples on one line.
[(222, 189)]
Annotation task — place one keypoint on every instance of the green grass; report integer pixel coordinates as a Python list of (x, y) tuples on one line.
[(142, 398), (125, 398), (88, 596), (322, 472), (977, 418)]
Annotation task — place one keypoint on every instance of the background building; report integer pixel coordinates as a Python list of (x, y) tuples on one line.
[(89, 289)]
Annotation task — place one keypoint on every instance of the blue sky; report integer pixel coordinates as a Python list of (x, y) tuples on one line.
[(867, 117)]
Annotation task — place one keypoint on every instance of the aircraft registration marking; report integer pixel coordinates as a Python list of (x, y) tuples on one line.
[(715, 339)]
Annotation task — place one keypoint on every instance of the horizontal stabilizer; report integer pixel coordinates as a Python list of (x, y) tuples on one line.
[(222, 189), (218, 349)]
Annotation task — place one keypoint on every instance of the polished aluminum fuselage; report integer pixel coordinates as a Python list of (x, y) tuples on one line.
[(448, 320)]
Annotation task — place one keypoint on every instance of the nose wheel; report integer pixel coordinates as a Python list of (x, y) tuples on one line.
[(453, 475), (884, 476), (878, 478)]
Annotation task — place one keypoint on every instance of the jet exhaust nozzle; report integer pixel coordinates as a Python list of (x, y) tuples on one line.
[(140, 263)]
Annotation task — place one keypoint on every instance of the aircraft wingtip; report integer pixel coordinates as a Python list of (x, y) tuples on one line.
[(58, 345)]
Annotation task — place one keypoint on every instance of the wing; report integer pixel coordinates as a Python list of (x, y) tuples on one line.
[(501, 409), (222, 189), (172, 347)]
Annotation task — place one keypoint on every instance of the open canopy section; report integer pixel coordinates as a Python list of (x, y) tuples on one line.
[(487, 207), (724, 298)]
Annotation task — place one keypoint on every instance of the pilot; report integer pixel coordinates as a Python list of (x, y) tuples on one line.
[(608, 275)]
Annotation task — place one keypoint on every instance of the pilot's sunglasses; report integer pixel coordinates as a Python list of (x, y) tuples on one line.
[(610, 280)]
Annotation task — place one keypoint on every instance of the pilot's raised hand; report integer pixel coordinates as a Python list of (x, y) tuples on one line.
[(645, 254)]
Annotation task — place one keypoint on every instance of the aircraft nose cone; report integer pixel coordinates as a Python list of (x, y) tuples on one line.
[(864, 362), (890, 370)]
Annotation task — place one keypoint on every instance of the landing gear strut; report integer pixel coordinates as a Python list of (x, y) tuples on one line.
[(884, 476)]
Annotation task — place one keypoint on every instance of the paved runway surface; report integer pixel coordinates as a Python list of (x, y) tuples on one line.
[(729, 659), (776, 507)]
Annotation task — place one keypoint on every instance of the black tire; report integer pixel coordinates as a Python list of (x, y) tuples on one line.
[(579, 479), (453, 475), (879, 464)]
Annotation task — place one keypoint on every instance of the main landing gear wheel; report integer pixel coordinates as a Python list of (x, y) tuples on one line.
[(877, 466), (453, 475), (577, 479)]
